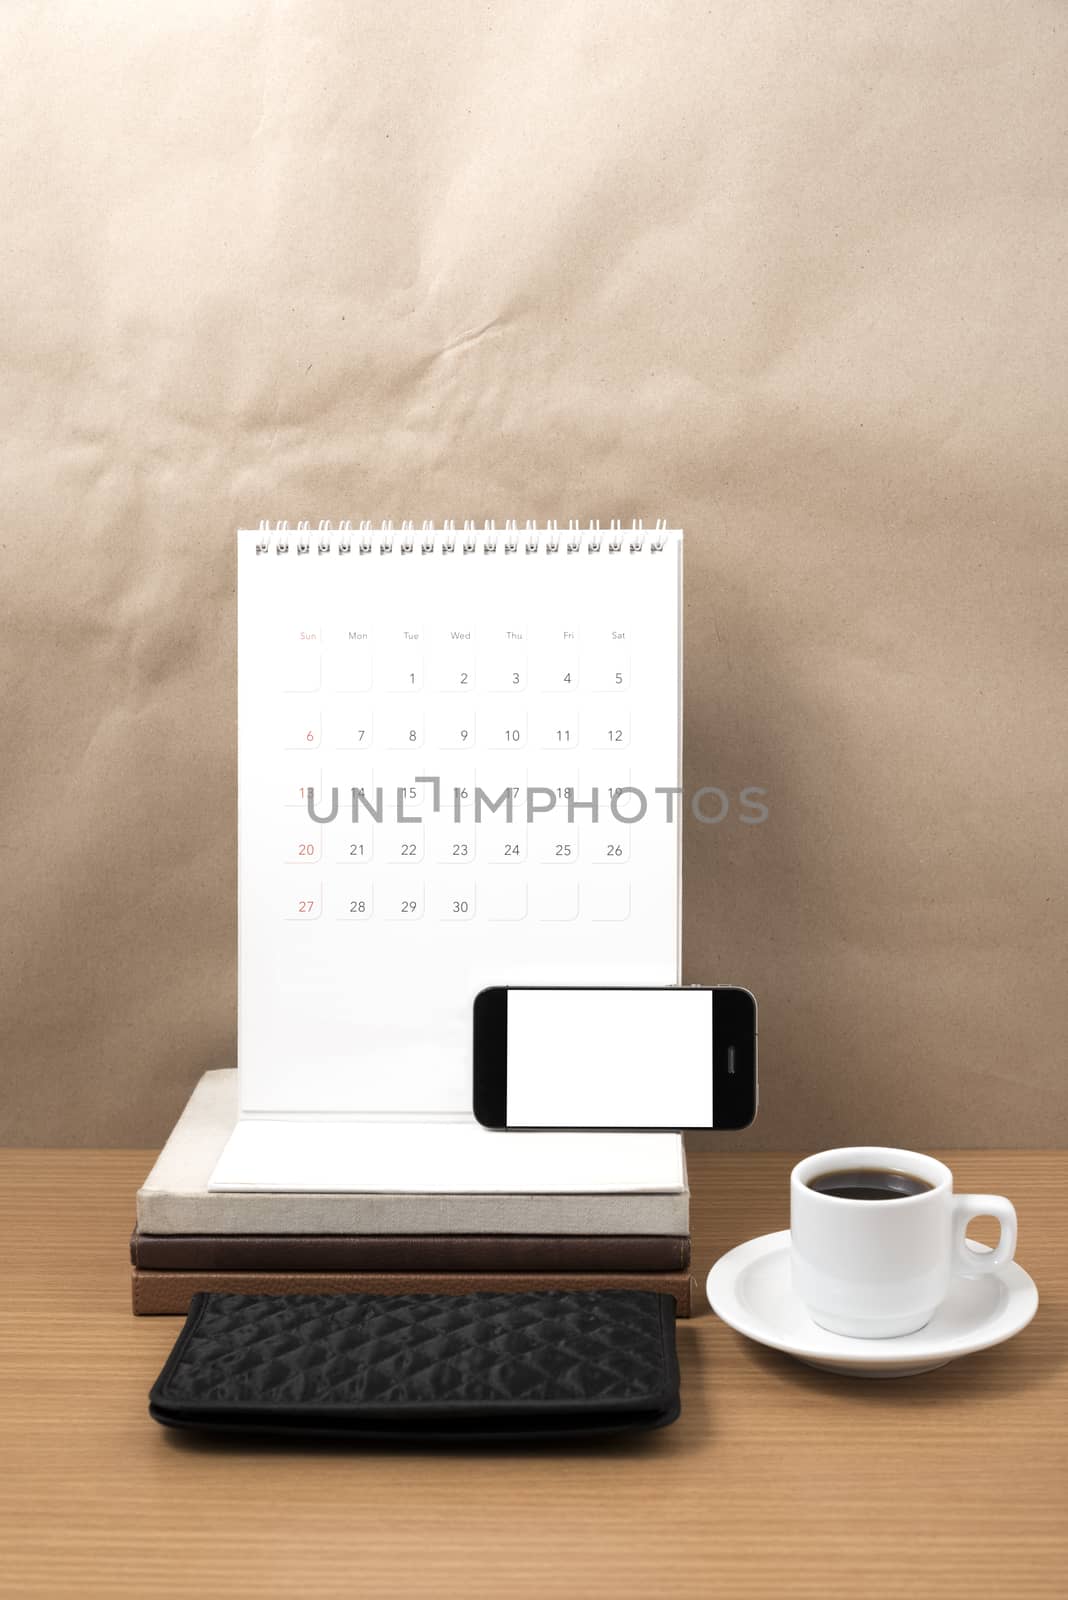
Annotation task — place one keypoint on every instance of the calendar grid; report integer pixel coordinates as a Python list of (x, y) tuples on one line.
[(434, 759)]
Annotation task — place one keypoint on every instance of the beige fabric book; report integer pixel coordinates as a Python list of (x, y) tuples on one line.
[(175, 1197)]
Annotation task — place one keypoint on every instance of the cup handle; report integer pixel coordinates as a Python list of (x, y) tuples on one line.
[(974, 1263)]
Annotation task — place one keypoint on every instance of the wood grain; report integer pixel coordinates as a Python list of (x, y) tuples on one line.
[(777, 1480)]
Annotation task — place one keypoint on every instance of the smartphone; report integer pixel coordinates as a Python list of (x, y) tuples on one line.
[(615, 1058)]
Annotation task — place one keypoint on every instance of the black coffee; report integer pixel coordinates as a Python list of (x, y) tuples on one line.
[(869, 1183)]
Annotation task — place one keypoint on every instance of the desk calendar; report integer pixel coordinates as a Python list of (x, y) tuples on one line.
[(459, 756)]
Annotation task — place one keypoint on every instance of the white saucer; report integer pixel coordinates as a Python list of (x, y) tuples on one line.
[(750, 1289)]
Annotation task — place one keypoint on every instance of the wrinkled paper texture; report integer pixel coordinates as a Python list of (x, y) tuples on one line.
[(790, 275)]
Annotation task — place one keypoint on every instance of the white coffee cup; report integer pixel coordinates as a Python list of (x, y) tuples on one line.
[(876, 1269)]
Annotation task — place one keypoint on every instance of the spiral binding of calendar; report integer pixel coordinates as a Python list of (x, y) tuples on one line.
[(387, 538)]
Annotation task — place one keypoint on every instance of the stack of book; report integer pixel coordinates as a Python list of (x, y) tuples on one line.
[(190, 1237)]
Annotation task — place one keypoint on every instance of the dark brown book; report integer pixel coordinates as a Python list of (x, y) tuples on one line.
[(383, 1252), (158, 1294)]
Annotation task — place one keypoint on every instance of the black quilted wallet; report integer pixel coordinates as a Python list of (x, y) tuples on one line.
[(553, 1364)]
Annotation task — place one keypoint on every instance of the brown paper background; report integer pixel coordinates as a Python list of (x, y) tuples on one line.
[(788, 274)]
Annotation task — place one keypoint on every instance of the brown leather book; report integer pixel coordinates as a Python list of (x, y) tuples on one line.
[(158, 1294), (480, 1252)]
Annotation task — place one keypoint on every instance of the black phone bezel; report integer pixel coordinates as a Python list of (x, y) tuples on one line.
[(490, 1071), (734, 1047)]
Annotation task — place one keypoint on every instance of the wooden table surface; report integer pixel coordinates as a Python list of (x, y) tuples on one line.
[(777, 1481)]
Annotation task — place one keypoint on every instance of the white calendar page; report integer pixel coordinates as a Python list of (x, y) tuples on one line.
[(378, 662)]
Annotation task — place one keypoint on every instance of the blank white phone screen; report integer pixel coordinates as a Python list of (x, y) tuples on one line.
[(613, 1058)]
